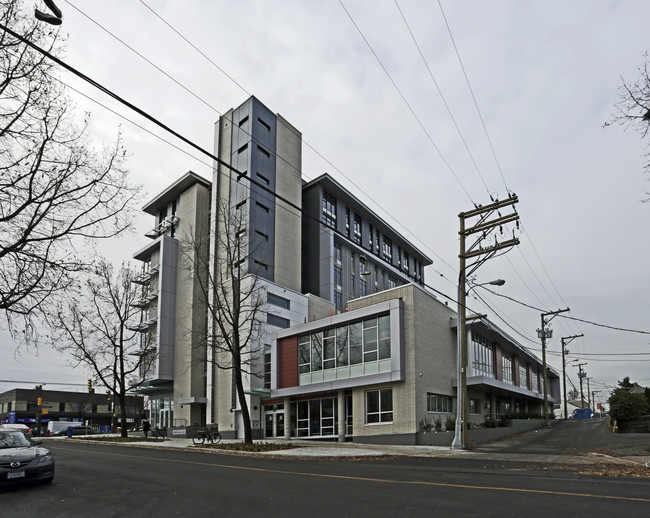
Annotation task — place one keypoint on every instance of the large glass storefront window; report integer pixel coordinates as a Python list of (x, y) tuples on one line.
[(361, 342), (319, 417), (482, 357)]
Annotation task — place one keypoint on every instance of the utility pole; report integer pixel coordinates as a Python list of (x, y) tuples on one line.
[(543, 333), (589, 395), (483, 226), (593, 393), (581, 375), (565, 341), (39, 406)]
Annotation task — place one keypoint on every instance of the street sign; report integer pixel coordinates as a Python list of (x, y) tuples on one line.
[(45, 411)]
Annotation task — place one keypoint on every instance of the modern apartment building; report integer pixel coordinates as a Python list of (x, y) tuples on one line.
[(351, 343), (352, 252), (385, 371), (173, 303)]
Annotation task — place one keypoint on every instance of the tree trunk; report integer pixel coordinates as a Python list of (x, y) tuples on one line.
[(248, 433)]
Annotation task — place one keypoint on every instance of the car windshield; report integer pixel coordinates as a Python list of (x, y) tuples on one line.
[(13, 439)]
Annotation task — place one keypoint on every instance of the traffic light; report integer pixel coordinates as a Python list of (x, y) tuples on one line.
[(90, 384), (39, 401)]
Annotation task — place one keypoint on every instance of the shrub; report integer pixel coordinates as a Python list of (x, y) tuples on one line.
[(450, 423)]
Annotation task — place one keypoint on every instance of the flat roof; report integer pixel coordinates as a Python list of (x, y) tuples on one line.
[(326, 180), (174, 190)]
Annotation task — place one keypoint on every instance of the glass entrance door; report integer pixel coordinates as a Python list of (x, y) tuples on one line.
[(274, 421)]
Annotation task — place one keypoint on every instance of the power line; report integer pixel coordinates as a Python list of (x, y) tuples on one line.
[(487, 135), (478, 110), (451, 170), (245, 132), (568, 317), (451, 115)]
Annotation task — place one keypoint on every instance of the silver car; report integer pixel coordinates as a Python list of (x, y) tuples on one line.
[(22, 459)]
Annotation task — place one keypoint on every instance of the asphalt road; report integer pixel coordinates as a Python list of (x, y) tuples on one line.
[(573, 437), (97, 480)]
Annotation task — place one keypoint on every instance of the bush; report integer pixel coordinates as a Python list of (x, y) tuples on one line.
[(489, 422), (450, 423), (625, 405)]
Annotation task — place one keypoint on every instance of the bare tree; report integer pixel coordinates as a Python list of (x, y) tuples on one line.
[(55, 190), (633, 108), (235, 300), (99, 326)]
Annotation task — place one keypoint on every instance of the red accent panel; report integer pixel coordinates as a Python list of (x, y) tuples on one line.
[(288, 362)]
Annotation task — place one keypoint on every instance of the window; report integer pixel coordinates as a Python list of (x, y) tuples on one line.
[(377, 242), (387, 250), (263, 178), (262, 235), (264, 152), (482, 361), (392, 283), (405, 262), (370, 340), (329, 349), (337, 254), (329, 210), (341, 346), (384, 337), (506, 365), (263, 207), (360, 342), (276, 300), (534, 381), (314, 418), (261, 266), (347, 221), (316, 352), (523, 376), (267, 370), (337, 275), (338, 301), (440, 403), (240, 204), (242, 149), (304, 354), (277, 321), (474, 406), (357, 229), (379, 406), (370, 238), (243, 121), (264, 124), (363, 287)]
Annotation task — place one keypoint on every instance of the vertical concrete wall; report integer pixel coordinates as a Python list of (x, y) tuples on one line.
[(288, 185), (190, 330)]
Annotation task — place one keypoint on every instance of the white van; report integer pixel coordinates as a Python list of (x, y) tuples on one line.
[(54, 427)]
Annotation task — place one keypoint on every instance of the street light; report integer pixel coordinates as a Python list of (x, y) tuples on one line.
[(462, 407)]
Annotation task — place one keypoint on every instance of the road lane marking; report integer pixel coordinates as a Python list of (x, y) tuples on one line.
[(368, 479)]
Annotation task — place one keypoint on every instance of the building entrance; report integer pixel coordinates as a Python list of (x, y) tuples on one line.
[(274, 421)]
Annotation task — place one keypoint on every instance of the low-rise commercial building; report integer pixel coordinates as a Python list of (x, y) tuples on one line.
[(96, 410)]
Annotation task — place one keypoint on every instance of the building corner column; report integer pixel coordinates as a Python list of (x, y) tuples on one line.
[(287, 418), (340, 396)]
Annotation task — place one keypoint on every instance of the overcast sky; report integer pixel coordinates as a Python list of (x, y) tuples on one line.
[(545, 76)]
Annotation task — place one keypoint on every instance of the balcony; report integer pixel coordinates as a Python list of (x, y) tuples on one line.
[(162, 227)]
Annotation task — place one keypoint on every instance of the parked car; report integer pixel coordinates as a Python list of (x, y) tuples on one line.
[(76, 430), (19, 426), (23, 459)]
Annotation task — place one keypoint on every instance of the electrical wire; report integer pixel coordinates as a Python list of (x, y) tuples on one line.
[(451, 115), (245, 132), (615, 328), (410, 108)]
